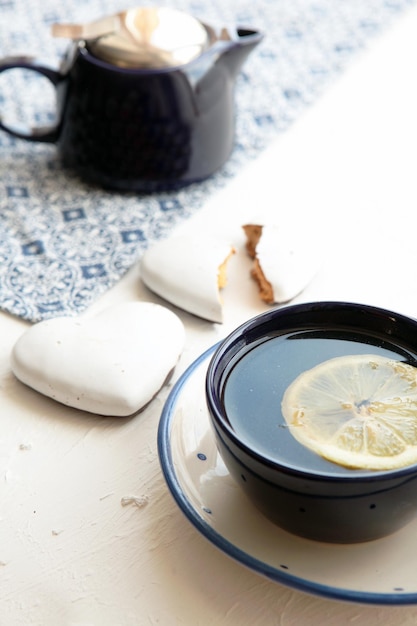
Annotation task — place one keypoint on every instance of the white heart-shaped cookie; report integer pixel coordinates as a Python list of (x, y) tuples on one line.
[(286, 260), (112, 364), (188, 271)]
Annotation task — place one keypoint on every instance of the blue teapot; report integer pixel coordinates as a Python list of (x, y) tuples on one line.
[(145, 98)]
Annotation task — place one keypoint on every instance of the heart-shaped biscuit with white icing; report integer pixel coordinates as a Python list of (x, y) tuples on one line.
[(285, 260), (189, 271), (113, 363)]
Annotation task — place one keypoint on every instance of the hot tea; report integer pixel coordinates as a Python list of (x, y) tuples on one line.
[(256, 383)]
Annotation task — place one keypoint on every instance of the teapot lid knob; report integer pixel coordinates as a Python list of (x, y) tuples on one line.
[(146, 37)]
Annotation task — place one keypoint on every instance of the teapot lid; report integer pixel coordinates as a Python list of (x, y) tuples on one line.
[(146, 37)]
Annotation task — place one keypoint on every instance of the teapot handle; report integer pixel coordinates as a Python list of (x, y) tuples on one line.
[(47, 134)]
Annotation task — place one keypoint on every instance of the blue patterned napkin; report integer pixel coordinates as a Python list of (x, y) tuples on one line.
[(63, 243)]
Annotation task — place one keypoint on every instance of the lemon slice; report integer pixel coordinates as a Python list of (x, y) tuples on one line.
[(359, 411)]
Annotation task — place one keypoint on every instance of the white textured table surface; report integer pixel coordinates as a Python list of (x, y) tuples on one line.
[(70, 553)]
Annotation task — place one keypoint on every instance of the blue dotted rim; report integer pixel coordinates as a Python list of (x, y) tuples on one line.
[(278, 575)]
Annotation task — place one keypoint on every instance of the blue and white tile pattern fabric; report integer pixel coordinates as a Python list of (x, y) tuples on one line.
[(63, 243)]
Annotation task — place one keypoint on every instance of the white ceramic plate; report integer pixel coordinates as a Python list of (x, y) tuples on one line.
[(378, 572)]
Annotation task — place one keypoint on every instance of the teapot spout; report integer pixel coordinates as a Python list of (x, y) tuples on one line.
[(238, 44)]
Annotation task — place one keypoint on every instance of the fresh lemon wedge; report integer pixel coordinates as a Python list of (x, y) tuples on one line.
[(359, 411)]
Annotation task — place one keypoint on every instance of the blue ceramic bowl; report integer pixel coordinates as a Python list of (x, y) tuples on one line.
[(294, 487)]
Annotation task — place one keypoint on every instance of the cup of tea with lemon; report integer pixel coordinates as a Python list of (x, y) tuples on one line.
[(314, 411)]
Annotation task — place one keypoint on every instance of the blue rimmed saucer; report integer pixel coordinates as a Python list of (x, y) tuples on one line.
[(377, 572)]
